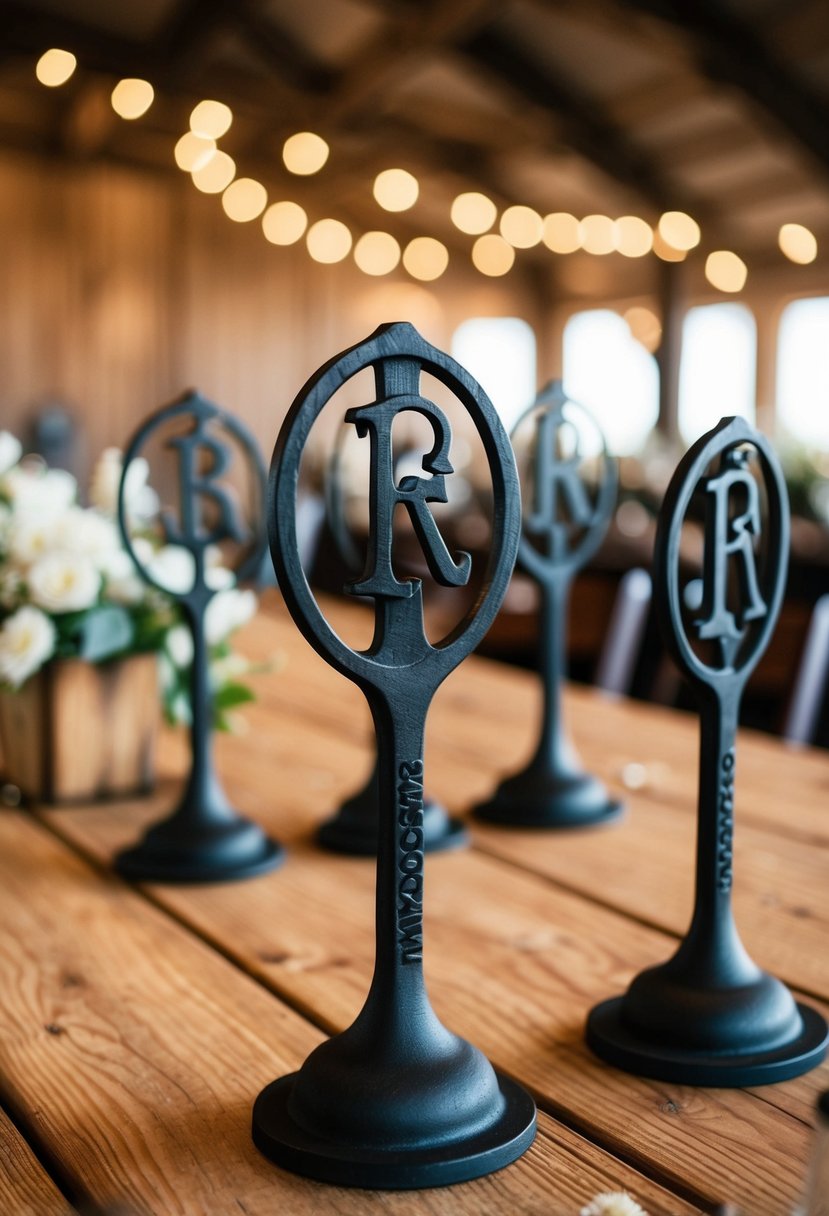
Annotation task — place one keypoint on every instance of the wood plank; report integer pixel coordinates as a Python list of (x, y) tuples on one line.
[(138, 1050), (25, 1187), (514, 963)]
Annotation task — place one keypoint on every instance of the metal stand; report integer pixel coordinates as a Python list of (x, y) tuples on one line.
[(204, 839), (710, 1015), (554, 791), (396, 1100)]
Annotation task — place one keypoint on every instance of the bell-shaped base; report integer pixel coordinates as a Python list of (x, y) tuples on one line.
[(360, 1113), (354, 828), (540, 798), (180, 850), (674, 1026)]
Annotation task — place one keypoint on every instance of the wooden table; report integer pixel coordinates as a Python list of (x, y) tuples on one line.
[(137, 1025)]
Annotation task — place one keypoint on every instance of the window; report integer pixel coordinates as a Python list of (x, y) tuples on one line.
[(500, 353), (717, 372), (803, 373), (607, 370)]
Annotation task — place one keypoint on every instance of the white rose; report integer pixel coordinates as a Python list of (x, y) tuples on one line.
[(86, 533), (27, 640), (43, 492), (10, 451), (11, 588), (226, 612), (173, 568), (29, 538), (63, 582), (219, 578), (122, 582), (141, 500), (180, 646), (5, 526)]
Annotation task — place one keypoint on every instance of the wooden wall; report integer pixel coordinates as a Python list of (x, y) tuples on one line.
[(119, 289)]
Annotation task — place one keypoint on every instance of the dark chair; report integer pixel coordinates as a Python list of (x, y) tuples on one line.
[(809, 689)]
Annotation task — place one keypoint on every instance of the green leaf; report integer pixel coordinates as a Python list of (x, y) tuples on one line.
[(103, 632), (230, 695)]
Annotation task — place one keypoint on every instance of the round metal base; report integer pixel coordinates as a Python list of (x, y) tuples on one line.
[(358, 837), (295, 1148), (611, 1039), (529, 800), (242, 853)]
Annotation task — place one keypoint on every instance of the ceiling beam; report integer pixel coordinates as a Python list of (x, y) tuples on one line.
[(730, 51)]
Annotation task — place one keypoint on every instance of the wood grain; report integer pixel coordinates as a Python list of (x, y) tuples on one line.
[(25, 1187), (136, 1051)]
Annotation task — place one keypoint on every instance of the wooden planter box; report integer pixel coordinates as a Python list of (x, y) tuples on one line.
[(78, 731)]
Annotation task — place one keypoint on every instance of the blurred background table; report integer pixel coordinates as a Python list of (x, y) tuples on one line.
[(137, 1025)]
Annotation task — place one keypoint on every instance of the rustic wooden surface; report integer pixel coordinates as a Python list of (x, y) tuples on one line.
[(140, 1024)]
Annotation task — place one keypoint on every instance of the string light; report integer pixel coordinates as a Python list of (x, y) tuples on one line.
[(425, 258), (132, 97), (193, 151), (211, 119), (521, 227), (561, 232), (797, 243), (377, 253), (328, 241), (665, 251), (473, 213), (597, 234), (492, 255), (215, 175), (396, 189), (725, 271), (632, 237), (55, 67), (678, 230), (284, 223), (645, 327), (244, 200), (304, 153)]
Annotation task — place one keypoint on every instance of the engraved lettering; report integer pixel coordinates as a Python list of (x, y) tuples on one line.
[(410, 860), (725, 823)]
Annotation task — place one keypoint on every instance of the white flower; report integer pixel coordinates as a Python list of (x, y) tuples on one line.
[(10, 451), (613, 1203), (63, 582), (86, 533), (29, 537), (173, 568), (43, 492), (27, 640), (228, 611), (218, 578), (5, 526), (180, 645), (122, 582), (11, 588), (141, 500)]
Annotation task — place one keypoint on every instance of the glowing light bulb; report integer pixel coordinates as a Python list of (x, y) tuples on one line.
[(328, 241), (597, 234), (396, 189), (492, 255), (55, 67), (425, 258), (215, 175), (211, 119), (244, 199), (377, 253), (193, 151), (798, 243), (725, 270), (665, 251), (304, 153), (473, 213), (284, 223), (632, 237), (132, 97), (521, 227), (678, 230), (561, 232)]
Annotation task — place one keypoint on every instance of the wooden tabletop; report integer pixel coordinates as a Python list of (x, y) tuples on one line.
[(137, 1025)]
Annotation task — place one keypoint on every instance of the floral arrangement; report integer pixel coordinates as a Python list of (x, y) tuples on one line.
[(68, 587)]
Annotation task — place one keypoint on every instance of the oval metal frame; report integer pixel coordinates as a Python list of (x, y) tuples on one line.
[(398, 340), (729, 433)]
